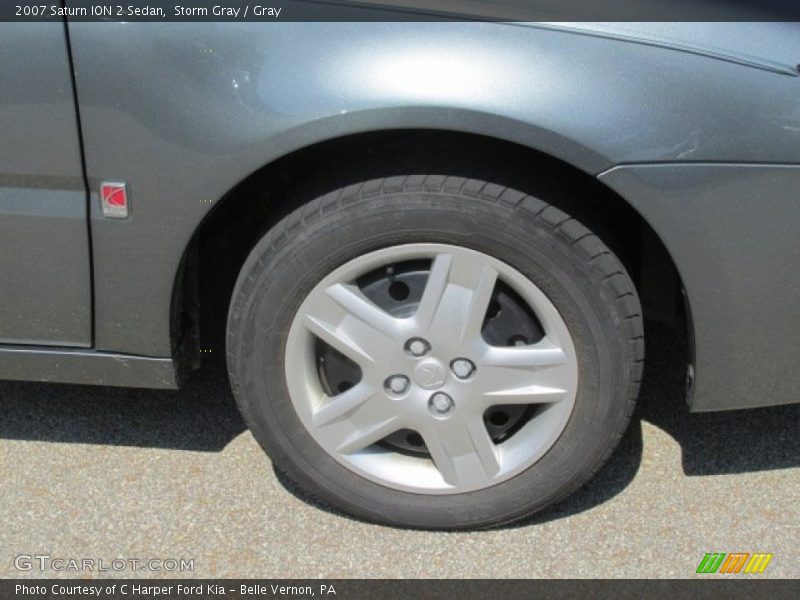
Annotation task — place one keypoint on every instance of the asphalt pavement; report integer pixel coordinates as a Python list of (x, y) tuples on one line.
[(118, 474)]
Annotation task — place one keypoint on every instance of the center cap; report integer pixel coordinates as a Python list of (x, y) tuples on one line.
[(430, 374)]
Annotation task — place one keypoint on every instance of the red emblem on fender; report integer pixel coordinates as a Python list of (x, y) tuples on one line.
[(114, 200)]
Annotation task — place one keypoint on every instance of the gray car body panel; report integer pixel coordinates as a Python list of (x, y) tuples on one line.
[(732, 232), (70, 365), (185, 112), (45, 282)]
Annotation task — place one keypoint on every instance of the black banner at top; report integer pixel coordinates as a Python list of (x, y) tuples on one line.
[(399, 10)]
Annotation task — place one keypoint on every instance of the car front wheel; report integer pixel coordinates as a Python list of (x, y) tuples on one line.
[(435, 352)]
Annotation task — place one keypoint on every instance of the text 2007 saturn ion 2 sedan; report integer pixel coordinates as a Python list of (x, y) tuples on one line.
[(429, 248)]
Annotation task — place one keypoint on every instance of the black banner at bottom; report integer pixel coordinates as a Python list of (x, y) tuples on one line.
[(395, 589)]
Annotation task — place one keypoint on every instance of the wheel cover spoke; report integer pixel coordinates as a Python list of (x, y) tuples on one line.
[(463, 451), (343, 318), (456, 297), (535, 374), (543, 354), (357, 423), (340, 406)]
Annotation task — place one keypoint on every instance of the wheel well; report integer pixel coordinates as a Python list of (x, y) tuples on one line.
[(240, 218)]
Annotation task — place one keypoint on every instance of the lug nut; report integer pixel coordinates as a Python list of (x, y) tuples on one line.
[(441, 404), (462, 367), (517, 340), (397, 384), (417, 347)]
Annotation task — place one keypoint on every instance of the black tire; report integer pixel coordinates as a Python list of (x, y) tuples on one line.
[(580, 275)]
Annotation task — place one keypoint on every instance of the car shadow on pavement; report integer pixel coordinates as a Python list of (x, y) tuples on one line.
[(203, 417), (738, 441)]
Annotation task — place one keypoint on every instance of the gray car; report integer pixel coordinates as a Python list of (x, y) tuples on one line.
[(427, 250)]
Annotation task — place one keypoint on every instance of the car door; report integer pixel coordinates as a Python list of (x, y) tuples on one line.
[(45, 280)]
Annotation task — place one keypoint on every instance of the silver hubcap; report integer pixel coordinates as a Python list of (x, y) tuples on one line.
[(430, 372)]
